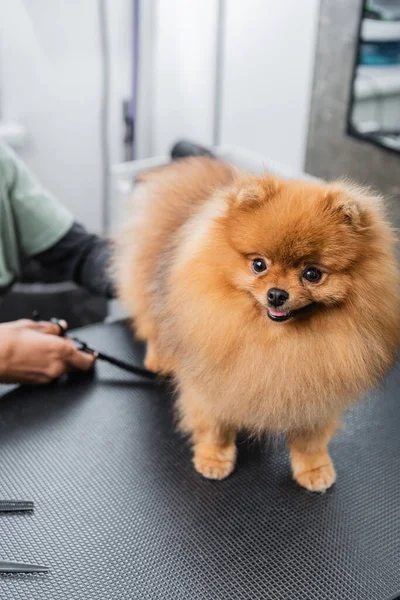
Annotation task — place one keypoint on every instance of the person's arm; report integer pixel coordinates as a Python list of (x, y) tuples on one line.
[(83, 258), (39, 220), (32, 352), (45, 230)]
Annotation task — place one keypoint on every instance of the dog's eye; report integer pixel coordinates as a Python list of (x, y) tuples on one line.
[(312, 275), (259, 265)]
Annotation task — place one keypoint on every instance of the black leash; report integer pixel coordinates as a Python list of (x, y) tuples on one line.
[(84, 347)]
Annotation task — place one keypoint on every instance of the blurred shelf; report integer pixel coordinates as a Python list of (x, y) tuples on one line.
[(373, 81), (380, 31)]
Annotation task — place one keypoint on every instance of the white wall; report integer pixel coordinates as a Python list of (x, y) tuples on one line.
[(269, 48), (269, 66), (50, 77), (183, 87)]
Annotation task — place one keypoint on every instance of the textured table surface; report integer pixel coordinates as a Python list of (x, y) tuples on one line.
[(121, 514)]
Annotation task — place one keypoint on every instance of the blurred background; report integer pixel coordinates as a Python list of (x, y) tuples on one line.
[(91, 91)]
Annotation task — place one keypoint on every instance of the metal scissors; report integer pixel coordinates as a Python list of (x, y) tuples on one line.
[(7, 506), (15, 567), (16, 506)]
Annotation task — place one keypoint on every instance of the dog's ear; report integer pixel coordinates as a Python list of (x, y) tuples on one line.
[(349, 209), (354, 204), (250, 195), (251, 192)]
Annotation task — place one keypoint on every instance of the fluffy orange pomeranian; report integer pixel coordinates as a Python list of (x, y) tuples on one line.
[(274, 304)]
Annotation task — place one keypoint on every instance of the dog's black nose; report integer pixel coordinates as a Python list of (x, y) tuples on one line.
[(277, 297)]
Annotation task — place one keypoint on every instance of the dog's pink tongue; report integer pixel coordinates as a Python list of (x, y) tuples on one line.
[(277, 313)]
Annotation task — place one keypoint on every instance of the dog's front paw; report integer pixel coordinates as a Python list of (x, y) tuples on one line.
[(318, 479), (214, 462)]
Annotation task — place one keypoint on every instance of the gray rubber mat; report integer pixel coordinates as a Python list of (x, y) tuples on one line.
[(121, 514)]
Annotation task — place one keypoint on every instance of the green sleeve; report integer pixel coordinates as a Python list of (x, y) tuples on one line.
[(41, 221)]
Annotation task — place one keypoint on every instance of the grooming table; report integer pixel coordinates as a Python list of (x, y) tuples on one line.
[(120, 512)]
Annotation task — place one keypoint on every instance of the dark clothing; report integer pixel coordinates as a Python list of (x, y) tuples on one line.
[(83, 258)]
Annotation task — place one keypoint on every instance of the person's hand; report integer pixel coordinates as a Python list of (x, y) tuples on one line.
[(33, 352)]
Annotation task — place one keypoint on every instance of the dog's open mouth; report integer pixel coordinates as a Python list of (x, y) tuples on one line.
[(284, 315), (279, 315)]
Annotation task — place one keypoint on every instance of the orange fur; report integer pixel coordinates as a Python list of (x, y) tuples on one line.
[(184, 272)]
